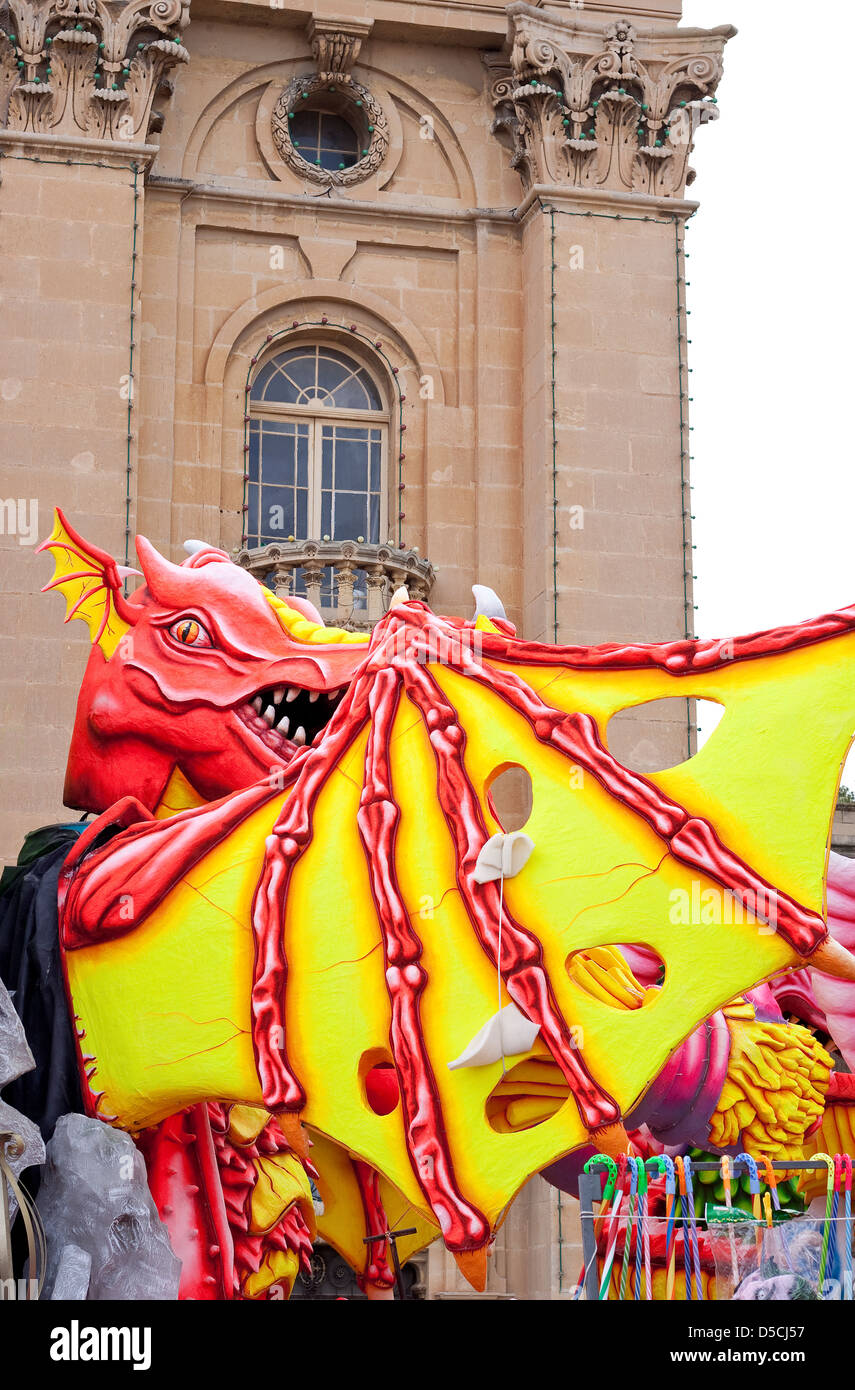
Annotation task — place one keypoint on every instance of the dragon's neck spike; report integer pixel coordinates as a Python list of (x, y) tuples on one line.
[(487, 603)]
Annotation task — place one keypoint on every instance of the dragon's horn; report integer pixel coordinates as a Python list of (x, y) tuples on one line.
[(487, 603), (830, 958)]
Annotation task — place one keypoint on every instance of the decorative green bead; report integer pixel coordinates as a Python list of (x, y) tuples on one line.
[(49, 71), (304, 95), (364, 151), (341, 166), (290, 115), (565, 122), (595, 104), (359, 103), (682, 103), (371, 127), (644, 106), (621, 91)]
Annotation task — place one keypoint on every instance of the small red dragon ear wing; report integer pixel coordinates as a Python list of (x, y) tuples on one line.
[(91, 584)]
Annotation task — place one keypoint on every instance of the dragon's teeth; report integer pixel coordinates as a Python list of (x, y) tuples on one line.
[(269, 715), (284, 725), (279, 695), (300, 736), (313, 695), (256, 704), (293, 692), (334, 694)]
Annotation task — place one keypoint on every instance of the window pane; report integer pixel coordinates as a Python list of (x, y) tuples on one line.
[(350, 516), (351, 462), (324, 138), (276, 503)]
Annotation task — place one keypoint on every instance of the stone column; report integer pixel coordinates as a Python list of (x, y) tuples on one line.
[(600, 121), (79, 85)]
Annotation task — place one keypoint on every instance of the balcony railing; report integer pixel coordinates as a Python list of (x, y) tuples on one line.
[(350, 583)]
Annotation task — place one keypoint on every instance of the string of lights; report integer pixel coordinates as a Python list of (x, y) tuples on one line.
[(685, 428)]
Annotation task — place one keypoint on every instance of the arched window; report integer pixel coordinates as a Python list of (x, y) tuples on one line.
[(317, 445)]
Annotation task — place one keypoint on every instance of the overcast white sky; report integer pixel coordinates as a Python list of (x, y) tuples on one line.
[(771, 299)]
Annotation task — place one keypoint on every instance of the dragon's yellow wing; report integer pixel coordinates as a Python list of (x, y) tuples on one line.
[(167, 1007), (90, 582)]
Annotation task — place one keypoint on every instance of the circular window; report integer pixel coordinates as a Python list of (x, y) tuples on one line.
[(331, 133), (324, 139)]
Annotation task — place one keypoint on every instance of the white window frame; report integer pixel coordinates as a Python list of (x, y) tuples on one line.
[(317, 417)]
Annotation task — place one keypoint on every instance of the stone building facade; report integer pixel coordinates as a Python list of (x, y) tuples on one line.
[(472, 213)]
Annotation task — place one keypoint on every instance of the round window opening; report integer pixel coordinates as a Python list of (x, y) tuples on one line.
[(330, 133), (324, 138)]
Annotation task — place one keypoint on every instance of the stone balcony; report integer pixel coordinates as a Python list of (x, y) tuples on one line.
[(350, 583)]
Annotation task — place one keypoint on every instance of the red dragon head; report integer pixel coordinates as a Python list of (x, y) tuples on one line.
[(201, 672)]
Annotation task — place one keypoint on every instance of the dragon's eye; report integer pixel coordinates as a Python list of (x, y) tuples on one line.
[(190, 633)]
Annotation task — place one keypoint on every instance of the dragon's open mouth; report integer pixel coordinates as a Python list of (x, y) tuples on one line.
[(287, 717)]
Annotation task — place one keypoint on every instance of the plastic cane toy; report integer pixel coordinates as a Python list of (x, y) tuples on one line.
[(627, 1239), (847, 1228), (770, 1178), (641, 1244), (611, 1168), (613, 1227), (726, 1176), (829, 1201), (693, 1230), (754, 1188), (684, 1221)]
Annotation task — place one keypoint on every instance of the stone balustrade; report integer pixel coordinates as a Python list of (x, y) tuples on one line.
[(350, 583)]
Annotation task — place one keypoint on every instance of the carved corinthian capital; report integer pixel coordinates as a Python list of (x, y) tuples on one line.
[(88, 67), (604, 106)]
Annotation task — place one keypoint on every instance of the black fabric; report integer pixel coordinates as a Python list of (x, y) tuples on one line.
[(31, 969)]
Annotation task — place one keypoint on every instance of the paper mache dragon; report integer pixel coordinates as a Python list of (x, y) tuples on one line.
[(278, 931)]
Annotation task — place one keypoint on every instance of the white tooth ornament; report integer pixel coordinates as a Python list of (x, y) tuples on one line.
[(293, 692), (300, 736), (284, 725), (507, 1034), (256, 704), (503, 856), (279, 695), (313, 695), (269, 715), (401, 595)]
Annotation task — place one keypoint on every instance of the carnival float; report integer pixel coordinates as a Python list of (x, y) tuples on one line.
[(292, 977)]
